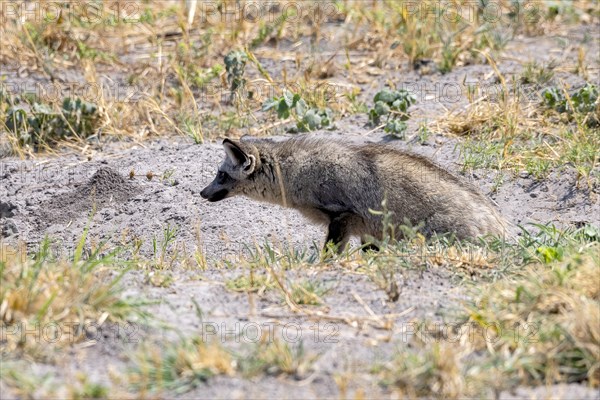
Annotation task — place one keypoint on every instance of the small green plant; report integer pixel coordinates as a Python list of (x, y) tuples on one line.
[(392, 105), (251, 283), (167, 177), (537, 74), (293, 105), (538, 168), (450, 53), (314, 119), (584, 101), (356, 106), (85, 389), (86, 52), (235, 65), (309, 293), (197, 78), (160, 248), (535, 242), (265, 32), (423, 133), (38, 123), (191, 124), (476, 154)]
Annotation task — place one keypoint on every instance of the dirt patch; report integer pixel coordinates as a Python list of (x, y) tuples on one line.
[(105, 188)]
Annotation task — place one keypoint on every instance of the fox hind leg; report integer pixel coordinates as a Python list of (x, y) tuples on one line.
[(339, 231), (367, 245)]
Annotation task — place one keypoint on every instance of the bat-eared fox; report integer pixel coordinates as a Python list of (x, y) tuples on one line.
[(340, 185)]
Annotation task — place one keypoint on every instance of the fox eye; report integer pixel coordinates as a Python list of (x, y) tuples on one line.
[(222, 177)]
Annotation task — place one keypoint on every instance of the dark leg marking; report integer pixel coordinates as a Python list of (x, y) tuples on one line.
[(338, 231), (366, 246)]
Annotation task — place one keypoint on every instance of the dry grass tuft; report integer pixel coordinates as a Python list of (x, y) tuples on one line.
[(516, 134), (277, 357), (61, 296), (429, 370), (548, 321), (180, 366)]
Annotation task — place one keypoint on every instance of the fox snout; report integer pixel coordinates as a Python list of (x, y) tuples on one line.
[(232, 173), (213, 194)]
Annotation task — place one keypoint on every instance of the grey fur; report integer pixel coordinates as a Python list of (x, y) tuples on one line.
[(338, 184)]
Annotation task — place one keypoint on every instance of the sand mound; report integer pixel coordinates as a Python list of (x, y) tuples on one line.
[(106, 180), (105, 188)]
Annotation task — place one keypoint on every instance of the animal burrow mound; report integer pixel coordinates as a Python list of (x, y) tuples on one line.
[(106, 181), (105, 188)]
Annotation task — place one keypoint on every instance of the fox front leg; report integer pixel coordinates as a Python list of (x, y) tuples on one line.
[(338, 232)]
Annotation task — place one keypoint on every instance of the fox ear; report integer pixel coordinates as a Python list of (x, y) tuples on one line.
[(238, 156)]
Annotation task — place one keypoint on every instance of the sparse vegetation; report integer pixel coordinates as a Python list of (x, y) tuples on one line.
[(190, 68), (584, 103), (25, 384), (393, 106), (37, 124), (546, 320), (538, 75), (179, 366), (426, 369), (307, 119), (308, 293), (49, 303), (251, 283), (514, 134), (537, 326), (165, 254), (185, 365), (84, 389), (235, 65), (277, 357), (42, 288)]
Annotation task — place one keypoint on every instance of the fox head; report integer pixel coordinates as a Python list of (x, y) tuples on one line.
[(241, 160)]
